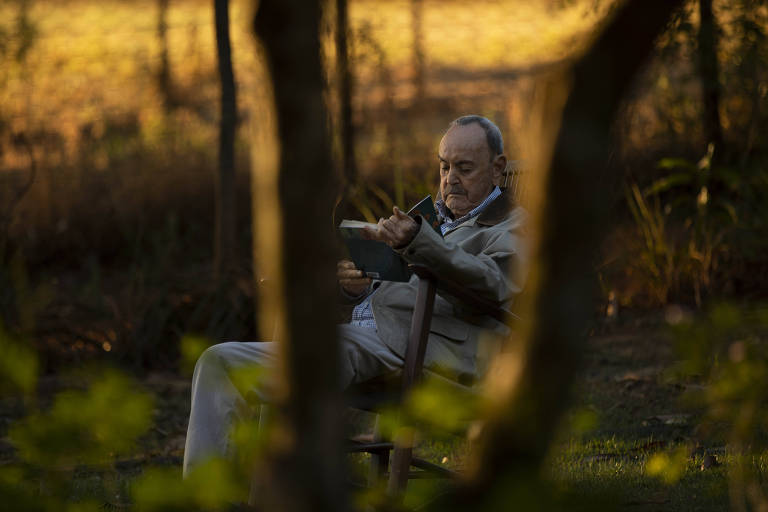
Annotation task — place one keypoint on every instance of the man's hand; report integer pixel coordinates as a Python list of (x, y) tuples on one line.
[(351, 279), (396, 231)]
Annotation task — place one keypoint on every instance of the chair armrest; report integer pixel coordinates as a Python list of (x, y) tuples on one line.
[(486, 306)]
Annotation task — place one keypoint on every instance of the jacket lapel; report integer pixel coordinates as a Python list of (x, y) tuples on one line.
[(497, 211)]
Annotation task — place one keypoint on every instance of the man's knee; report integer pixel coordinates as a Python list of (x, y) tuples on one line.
[(214, 357), (210, 356), (246, 366)]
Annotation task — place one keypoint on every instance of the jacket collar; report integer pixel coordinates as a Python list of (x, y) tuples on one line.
[(498, 210)]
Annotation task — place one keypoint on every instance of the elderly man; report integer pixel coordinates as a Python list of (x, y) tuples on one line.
[(482, 248)]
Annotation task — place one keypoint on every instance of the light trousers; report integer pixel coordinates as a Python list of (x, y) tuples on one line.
[(217, 403)]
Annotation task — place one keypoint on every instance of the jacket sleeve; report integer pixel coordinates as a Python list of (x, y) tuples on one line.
[(497, 271), (347, 299)]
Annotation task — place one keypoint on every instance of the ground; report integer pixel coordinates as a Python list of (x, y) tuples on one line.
[(625, 410), (633, 409)]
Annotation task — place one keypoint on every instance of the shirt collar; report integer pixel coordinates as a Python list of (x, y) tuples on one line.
[(443, 212)]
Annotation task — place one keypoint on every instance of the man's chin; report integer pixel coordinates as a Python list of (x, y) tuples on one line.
[(458, 208)]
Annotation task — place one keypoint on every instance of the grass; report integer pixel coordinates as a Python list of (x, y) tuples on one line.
[(617, 471), (107, 150), (628, 442), (627, 416)]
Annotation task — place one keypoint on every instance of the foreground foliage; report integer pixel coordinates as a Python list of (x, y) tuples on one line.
[(668, 414)]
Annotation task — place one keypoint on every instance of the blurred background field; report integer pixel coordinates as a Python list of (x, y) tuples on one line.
[(110, 113), (109, 118)]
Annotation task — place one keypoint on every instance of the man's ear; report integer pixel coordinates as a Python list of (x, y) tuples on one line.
[(498, 166)]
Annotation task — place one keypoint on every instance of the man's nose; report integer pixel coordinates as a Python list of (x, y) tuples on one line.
[(453, 176)]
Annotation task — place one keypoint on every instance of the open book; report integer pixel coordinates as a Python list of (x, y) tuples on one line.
[(376, 259)]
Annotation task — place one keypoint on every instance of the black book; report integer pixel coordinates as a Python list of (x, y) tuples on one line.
[(376, 259)]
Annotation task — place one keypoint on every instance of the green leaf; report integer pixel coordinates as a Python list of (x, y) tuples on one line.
[(191, 349), (441, 405), (213, 485), (675, 163), (18, 366), (85, 426), (666, 183), (669, 467)]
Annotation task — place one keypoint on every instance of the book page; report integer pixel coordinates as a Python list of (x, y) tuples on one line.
[(357, 224)]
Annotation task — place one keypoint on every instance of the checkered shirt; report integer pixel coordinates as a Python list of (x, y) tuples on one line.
[(362, 315)]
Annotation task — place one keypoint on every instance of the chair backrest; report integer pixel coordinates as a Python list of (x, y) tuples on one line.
[(514, 179)]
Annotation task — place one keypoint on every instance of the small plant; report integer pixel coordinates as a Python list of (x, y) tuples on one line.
[(686, 221), (83, 430), (725, 364)]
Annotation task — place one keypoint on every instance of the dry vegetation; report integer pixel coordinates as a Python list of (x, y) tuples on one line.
[(107, 255), (87, 110)]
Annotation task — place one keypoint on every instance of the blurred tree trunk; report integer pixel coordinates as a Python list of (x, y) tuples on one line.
[(224, 244), (26, 31), (344, 74), (304, 459), (417, 23), (530, 391), (753, 38), (709, 71), (164, 81)]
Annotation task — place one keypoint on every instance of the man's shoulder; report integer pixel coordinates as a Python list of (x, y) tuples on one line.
[(513, 220), (501, 210)]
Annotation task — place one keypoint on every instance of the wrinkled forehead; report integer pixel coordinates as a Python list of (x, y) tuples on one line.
[(462, 142)]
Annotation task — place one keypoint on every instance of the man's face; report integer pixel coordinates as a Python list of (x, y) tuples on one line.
[(467, 171)]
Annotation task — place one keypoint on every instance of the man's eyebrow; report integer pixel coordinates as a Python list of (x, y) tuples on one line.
[(460, 162)]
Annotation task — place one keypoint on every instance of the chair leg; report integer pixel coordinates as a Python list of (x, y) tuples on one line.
[(413, 364), (255, 488), (398, 473), (380, 460)]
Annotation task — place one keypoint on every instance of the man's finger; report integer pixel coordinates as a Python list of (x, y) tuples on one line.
[(355, 282), (348, 283), (387, 234), (371, 233), (400, 213), (345, 264), (349, 274)]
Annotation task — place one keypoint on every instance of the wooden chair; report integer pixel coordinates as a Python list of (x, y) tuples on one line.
[(398, 469)]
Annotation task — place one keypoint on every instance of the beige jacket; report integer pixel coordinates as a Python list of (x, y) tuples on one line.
[(487, 254)]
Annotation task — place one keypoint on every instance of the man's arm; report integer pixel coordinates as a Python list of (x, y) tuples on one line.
[(497, 272)]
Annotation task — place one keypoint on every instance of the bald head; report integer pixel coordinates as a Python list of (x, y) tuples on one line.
[(469, 167)]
